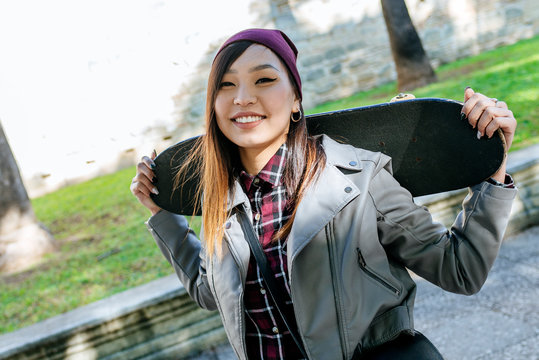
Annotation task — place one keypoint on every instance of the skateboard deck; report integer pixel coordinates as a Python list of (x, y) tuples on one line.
[(432, 149)]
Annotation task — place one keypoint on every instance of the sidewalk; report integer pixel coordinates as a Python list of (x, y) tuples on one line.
[(501, 322)]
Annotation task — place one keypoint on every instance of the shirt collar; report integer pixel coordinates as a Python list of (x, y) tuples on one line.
[(271, 173)]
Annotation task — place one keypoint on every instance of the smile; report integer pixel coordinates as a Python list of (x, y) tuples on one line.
[(248, 119)]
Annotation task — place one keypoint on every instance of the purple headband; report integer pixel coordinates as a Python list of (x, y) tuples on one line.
[(275, 40)]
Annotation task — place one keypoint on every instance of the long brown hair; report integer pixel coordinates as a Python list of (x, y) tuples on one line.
[(218, 157)]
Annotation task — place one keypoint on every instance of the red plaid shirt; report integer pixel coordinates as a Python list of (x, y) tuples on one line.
[(266, 335)]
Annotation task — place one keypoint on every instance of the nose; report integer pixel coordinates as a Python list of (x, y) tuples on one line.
[(245, 96)]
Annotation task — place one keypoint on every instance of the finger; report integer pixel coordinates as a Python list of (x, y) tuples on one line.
[(137, 188), (488, 115), (149, 162), (480, 105), (471, 100), (142, 168), (140, 189), (144, 184), (140, 192), (468, 92), (501, 104), (154, 154), (495, 124)]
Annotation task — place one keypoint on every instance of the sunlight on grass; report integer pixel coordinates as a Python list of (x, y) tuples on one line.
[(105, 249), (510, 74), (507, 65)]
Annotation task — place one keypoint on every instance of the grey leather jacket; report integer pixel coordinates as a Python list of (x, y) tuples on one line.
[(355, 234)]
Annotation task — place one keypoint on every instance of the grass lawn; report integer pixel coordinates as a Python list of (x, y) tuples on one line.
[(104, 247), (509, 73)]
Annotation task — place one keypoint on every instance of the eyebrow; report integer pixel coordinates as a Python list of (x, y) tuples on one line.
[(255, 68)]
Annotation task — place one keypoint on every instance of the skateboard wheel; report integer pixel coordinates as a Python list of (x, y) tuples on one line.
[(402, 96)]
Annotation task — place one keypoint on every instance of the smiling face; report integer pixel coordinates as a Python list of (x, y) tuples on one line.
[(254, 102)]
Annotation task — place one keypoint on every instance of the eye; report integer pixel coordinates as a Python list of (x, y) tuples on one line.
[(226, 84), (265, 80)]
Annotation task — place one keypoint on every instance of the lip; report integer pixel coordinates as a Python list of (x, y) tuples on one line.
[(246, 114), (247, 125)]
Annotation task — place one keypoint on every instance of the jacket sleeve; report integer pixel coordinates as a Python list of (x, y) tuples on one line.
[(456, 259), (184, 252)]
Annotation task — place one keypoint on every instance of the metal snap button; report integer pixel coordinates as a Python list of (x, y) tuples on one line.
[(275, 330)]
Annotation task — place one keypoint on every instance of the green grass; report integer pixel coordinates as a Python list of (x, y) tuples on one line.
[(509, 73), (104, 247)]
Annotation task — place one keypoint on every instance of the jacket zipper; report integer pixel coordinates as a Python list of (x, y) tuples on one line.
[(336, 288), (374, 276)]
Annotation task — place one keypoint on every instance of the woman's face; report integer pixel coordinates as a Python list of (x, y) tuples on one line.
[(255, 100)]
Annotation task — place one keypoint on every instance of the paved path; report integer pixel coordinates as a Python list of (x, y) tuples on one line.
[(501, 322)]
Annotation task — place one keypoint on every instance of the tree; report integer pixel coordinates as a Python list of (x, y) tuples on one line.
[(23, 240), (411, 61)]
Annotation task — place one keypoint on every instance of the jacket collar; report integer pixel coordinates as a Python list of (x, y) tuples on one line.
[(236, 197), (326, 197), (341, 155)]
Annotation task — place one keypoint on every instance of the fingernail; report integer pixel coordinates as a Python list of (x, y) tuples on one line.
[(154, 153), (462, 116), (154, 190), (478, 135)]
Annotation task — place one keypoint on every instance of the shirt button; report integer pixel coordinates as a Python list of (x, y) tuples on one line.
[(228, 225), (257, 216), (256, 181), (353, 163), (348, 189), (263, 291), (275, 330)]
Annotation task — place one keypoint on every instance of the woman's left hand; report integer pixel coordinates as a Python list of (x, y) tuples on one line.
[(487, 115)]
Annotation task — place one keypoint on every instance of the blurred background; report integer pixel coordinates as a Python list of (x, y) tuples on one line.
[(92, 85), (88, 87)]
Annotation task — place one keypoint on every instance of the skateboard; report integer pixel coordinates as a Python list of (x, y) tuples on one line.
[(432, 149)]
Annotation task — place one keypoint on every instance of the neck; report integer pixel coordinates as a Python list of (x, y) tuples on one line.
[(254, 160)]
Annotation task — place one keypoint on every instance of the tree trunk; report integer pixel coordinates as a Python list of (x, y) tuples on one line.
[(23, 240), (411, 61)]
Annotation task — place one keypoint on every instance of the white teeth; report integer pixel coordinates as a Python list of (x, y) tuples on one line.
[(248, 119)]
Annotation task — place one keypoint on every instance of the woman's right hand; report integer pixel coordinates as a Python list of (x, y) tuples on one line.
[(142, 184)]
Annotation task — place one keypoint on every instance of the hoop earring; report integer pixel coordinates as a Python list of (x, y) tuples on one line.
[(296, 119)]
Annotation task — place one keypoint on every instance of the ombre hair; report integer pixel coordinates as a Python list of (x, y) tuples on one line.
[(218, 158)]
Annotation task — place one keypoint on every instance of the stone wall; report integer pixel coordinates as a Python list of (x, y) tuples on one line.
[(344, 47)]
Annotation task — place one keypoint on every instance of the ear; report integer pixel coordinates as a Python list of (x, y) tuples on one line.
[(297, 106)]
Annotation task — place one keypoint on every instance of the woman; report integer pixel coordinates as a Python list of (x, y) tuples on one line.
[(338, 231)]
